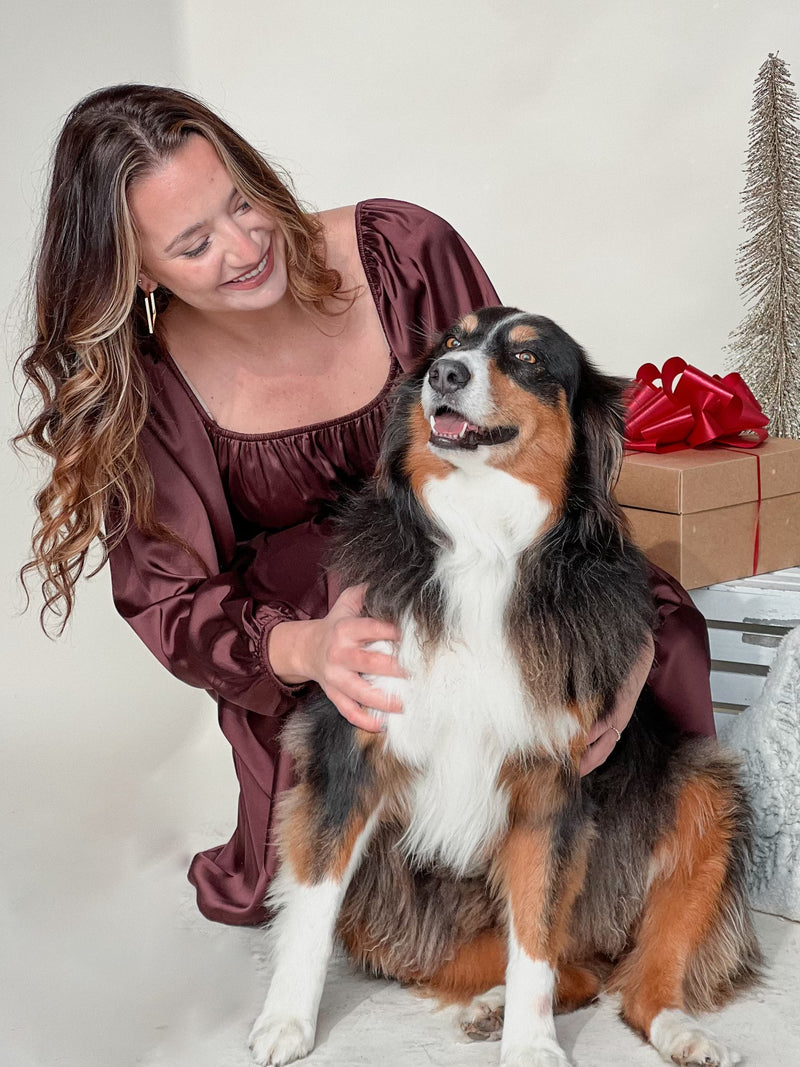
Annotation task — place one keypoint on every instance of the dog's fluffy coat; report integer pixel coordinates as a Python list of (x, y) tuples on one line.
[(460, 848)]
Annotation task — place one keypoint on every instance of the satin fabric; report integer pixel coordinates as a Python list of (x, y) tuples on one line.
[(256, 509)]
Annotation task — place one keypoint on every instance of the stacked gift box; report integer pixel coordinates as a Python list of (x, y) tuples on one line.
[(708, 495), (696, 513)]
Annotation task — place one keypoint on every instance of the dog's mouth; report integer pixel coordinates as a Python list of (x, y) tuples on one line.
[(449, 429)]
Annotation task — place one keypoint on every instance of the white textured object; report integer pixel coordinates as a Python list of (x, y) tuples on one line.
[(767, 736)]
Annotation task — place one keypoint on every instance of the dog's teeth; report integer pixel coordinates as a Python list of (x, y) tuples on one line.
[(463, 430), (433, 424)]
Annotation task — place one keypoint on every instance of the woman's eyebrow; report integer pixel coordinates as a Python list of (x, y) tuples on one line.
[(191, 230), (182, 236)]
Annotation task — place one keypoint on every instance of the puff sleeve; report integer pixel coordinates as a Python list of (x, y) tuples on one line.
[(422, 273), (208, 619)]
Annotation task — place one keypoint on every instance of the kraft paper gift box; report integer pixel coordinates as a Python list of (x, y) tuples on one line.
[(696, 512)]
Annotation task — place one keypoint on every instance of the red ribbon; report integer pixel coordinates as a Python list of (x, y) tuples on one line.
[(700, 409), (689, 409)]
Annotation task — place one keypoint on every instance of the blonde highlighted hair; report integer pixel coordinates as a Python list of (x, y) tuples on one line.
[(91, 391)]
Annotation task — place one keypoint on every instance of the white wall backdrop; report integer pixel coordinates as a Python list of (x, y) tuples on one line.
[(108, 764), (592, 155)]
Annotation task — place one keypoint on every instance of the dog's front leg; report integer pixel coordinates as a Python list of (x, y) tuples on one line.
[(542, 867), (307, 904)]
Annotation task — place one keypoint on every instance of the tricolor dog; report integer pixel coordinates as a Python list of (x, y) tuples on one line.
[(460, 850)]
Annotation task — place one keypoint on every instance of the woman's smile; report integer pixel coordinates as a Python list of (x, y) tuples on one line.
[(257, 276)]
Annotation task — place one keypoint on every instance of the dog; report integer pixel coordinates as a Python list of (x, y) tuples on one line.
[(459, 850)]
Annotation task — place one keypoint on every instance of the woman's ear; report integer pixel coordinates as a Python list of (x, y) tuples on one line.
[(146, 284)]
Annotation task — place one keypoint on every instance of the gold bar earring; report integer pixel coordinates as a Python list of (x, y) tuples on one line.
[(150, 310)]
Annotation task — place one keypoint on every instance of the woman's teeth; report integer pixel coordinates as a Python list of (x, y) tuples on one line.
[(254, 272)]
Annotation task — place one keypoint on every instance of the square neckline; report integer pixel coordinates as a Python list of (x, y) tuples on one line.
[(296, 431)]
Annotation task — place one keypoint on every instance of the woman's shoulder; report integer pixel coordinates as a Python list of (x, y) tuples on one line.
[(380, 220), (367, 239), (341, 243), (400, 219), (374, 209), (421, 273)]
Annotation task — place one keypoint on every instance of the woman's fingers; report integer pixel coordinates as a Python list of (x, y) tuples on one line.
[(599, 751), (367, 661), (346, 655), (362, 629), (604, 734), (597, 730), (370, 696), (355, 714)]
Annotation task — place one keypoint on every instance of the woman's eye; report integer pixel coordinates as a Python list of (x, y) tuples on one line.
[(244, 207), (452, 342), (526, 357), (197, 251)]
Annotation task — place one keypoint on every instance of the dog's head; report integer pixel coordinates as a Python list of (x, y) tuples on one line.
[(514, 391)]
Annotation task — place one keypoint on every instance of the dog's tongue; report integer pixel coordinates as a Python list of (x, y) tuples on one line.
[(451, 424)]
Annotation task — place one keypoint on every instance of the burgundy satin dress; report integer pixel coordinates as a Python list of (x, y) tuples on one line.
[(256, 507)]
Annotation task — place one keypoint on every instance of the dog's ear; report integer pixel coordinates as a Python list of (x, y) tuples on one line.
[(599, 416), (603, 424)]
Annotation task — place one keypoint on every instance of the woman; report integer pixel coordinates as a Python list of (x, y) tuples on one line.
[(214, 365)]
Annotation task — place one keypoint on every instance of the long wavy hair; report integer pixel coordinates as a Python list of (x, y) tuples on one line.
[(91, 391)]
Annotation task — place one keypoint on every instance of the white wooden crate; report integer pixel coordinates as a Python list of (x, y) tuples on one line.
[(746, 620)]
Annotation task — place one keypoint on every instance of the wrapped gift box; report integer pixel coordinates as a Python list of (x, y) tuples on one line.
[(694, 512)]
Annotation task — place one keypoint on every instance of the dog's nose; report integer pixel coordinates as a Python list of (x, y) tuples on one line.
[(448, 375)]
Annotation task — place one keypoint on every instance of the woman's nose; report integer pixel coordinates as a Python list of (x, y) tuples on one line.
[(244, 244)]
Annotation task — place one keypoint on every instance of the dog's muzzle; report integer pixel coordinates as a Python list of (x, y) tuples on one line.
[(448, 376), (451, 426)]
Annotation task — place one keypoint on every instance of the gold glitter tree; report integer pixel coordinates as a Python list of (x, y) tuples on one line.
[(766, 346)]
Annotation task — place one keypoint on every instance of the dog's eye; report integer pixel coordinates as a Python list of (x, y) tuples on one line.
[(526, 357), (452, 342)]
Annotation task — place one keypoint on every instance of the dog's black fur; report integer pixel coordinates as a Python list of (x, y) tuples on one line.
[(578, 615)]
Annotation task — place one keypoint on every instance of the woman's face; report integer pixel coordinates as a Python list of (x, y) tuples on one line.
[(202, 240)]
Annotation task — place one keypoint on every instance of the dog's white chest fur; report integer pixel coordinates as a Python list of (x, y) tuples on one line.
[(465, 707)]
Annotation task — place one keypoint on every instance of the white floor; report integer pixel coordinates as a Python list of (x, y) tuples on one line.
[(152, 983), (105, 961), (364, 1021)]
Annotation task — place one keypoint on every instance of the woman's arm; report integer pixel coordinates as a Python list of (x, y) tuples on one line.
[(207, 615), (681, 676), (677, 667), (605, 733), (258, 629), (208, 630)]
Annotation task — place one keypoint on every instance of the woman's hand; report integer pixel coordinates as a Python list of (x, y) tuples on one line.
[(332, 652), (605, 733)]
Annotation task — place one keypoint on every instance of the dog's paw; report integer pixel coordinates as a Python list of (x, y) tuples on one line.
[(275, 1041), (482, 1019), (544, 1053), (680, 1040)]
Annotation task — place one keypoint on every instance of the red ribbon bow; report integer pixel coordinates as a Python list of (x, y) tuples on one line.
[(699, 409)]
